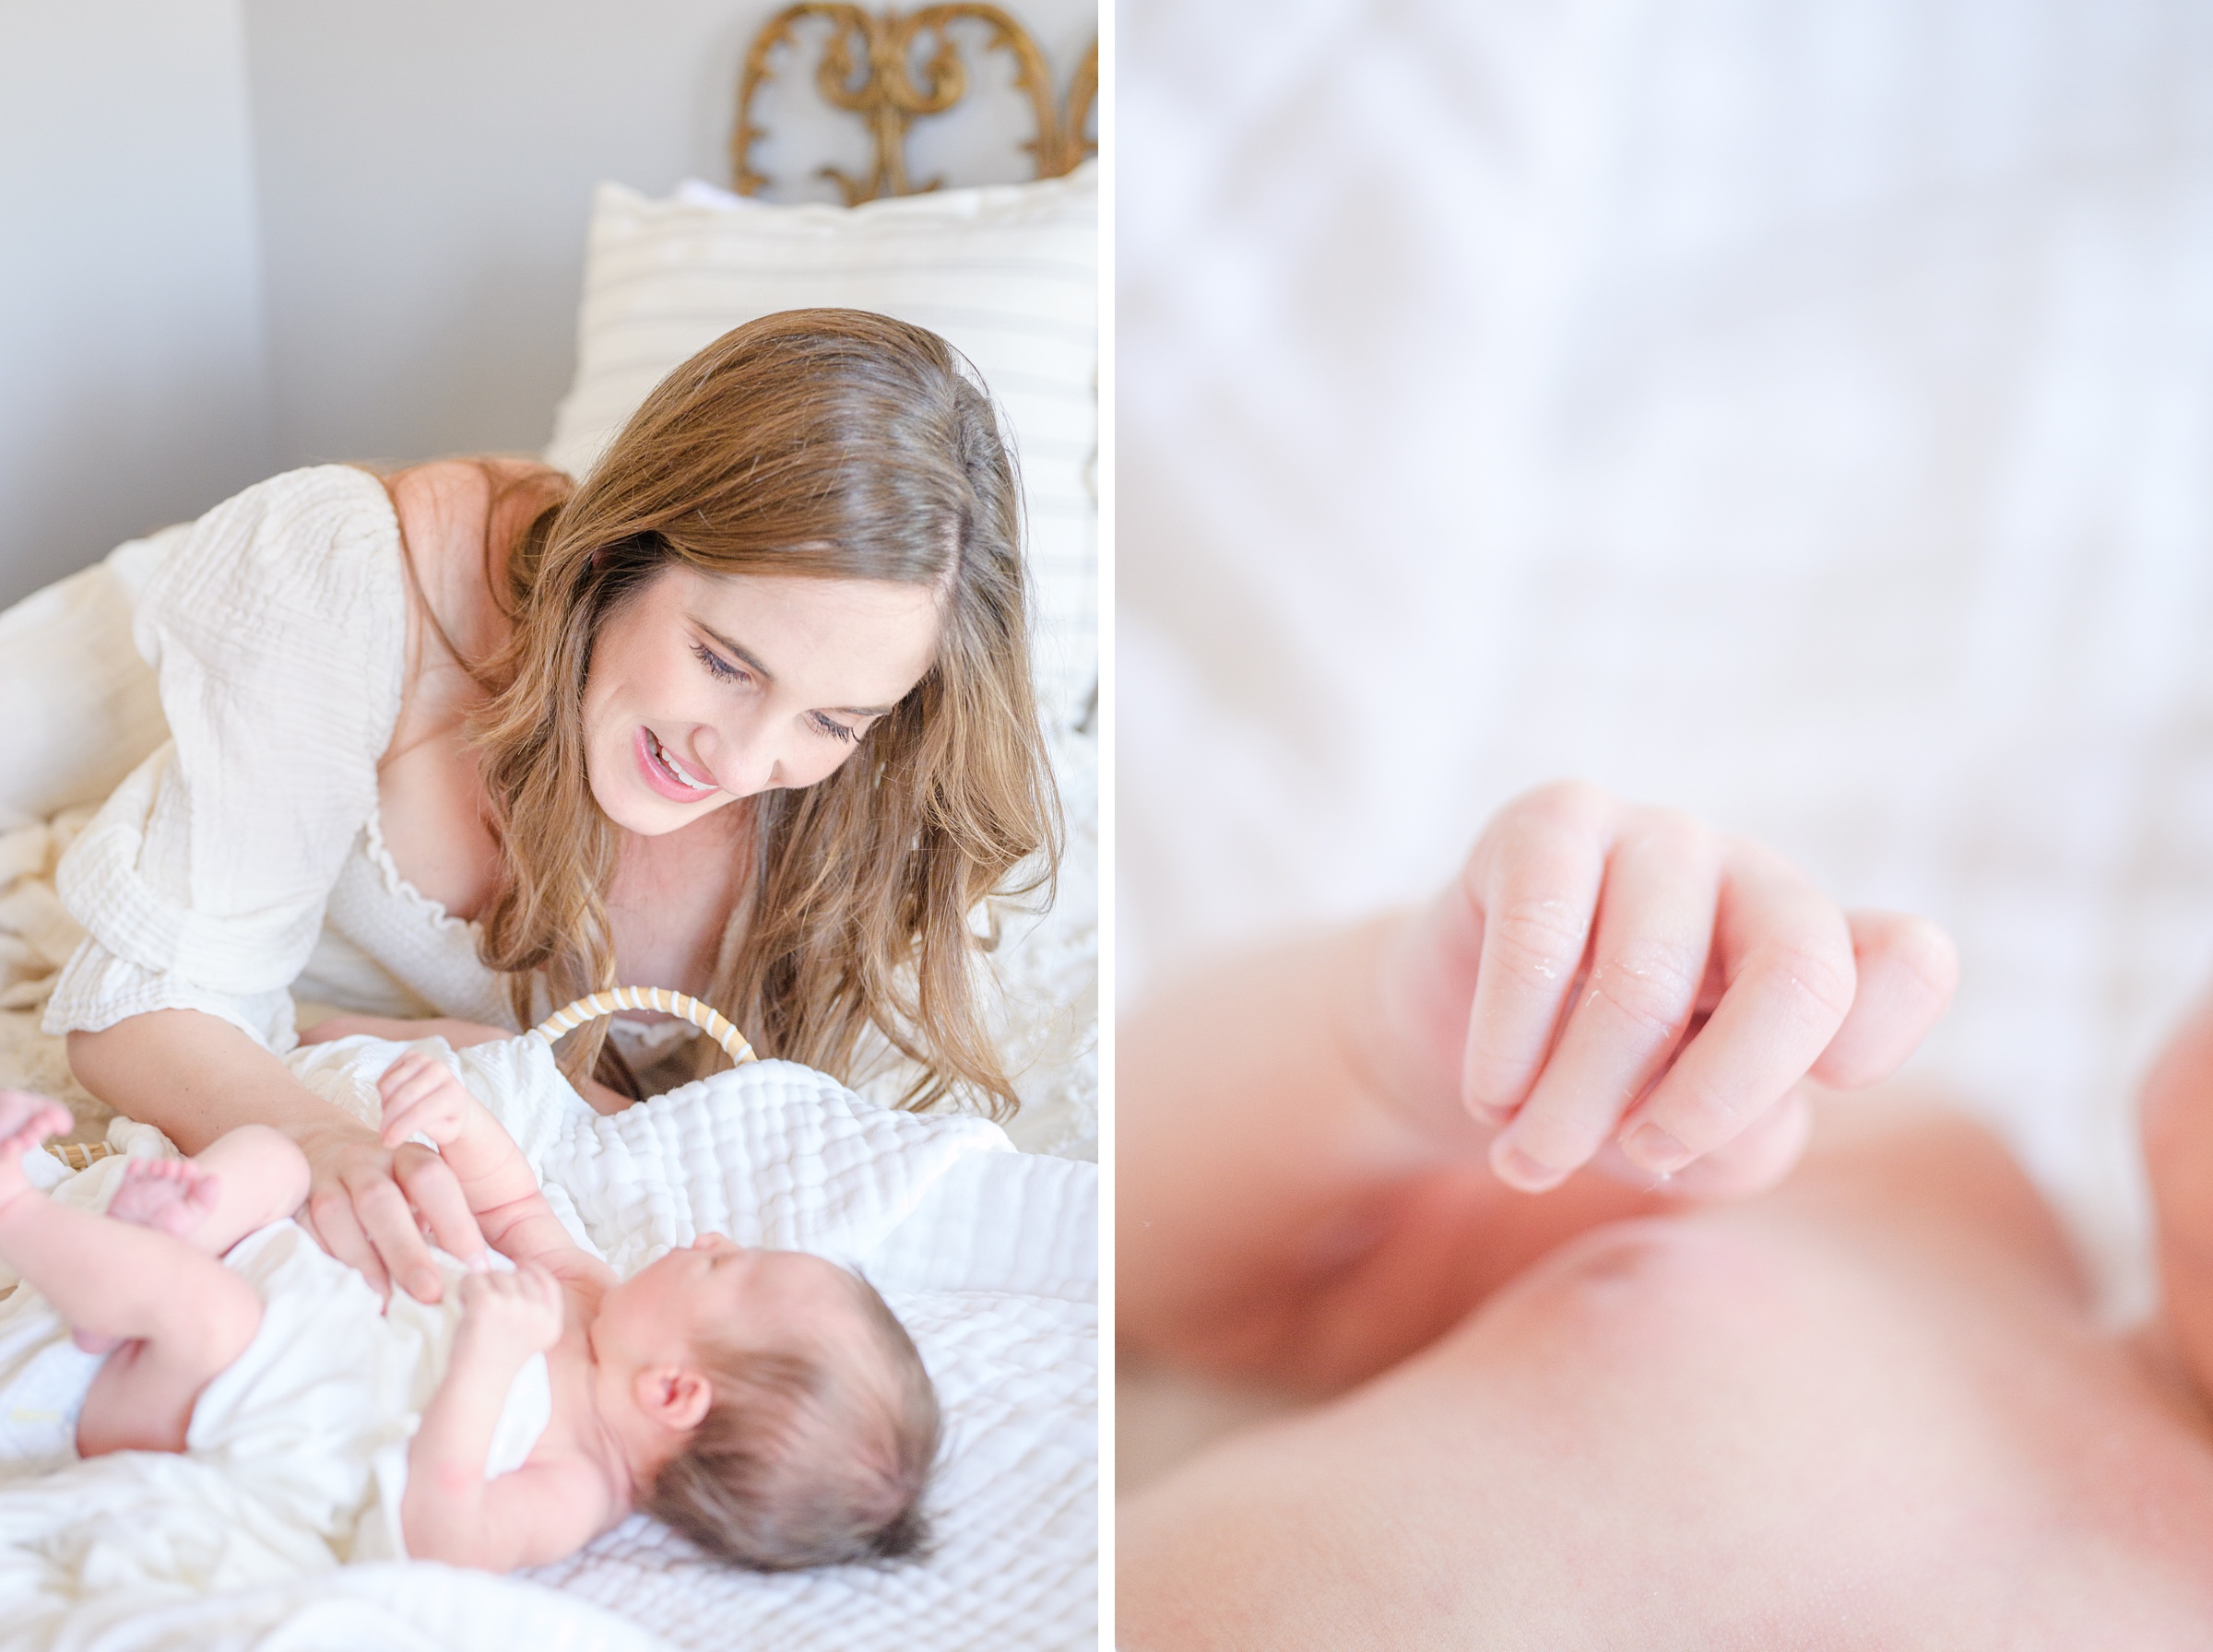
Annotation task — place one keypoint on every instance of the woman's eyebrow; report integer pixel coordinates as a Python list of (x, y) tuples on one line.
[(753, 661)]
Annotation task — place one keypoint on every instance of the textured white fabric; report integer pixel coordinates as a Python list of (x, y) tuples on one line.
[(989, 1256), (1797, 414), (1008, 275), (81, 708)]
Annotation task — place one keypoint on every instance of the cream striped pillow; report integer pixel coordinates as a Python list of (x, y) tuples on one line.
[(1008, 275)]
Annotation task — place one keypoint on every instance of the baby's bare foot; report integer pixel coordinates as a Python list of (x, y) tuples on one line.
[(170, 1195), (25, 1121), (173, 1196)]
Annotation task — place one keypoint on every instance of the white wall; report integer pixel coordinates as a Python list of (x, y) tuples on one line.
[(425, 171), (240, 235), (134, 384)]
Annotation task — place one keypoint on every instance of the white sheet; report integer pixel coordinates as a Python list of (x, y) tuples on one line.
[(1798, 414), (987, 1254)]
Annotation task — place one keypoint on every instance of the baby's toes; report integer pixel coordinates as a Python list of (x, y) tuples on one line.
[(170, 1195), (27, 1119)]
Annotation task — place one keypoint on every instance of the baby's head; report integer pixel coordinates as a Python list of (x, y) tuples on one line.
[(822, 1424)]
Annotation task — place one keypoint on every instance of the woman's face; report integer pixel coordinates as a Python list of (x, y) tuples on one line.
[(707, 688)]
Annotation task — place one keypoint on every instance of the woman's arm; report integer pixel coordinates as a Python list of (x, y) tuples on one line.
[(195, 1077), (1326, 1151)]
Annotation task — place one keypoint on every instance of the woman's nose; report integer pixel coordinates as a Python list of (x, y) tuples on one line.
[(743, 760)]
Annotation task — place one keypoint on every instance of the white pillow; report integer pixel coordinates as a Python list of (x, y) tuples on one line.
[(82, 709), (1008, 275)]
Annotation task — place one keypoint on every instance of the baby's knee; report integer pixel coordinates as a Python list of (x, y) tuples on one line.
[(206, 1320), (233, 1311)]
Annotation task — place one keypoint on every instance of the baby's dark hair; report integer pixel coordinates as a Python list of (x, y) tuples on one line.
[(801, 1463)]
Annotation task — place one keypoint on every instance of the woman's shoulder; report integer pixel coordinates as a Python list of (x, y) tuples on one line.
[(456, 517), (302, 547), (290, 594)]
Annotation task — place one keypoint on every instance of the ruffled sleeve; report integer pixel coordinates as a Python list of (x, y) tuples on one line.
[(277, 628)]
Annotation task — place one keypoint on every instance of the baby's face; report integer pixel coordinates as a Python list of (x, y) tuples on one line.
[(752, 1298)]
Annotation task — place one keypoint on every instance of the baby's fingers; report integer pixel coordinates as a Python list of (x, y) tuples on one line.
[(1655, 922), (1786, 957), (1536, 881), (1906, 969), (409, 1079)]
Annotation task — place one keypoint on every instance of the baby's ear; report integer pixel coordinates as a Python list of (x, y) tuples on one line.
[(677, 1396)]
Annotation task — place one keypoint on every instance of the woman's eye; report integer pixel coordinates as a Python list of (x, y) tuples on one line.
[(835, 730), (721, 668)]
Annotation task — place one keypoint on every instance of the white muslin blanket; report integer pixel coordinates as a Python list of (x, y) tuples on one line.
[(989, 1256)]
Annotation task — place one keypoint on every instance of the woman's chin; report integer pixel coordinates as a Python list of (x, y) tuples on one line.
[(644, 813)]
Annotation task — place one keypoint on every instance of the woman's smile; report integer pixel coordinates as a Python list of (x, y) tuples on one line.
[(665, 773)]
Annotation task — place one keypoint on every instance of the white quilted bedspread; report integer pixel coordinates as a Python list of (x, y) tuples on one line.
[(988, 1255)]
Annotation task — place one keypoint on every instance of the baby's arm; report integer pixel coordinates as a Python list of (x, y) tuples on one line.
[(422, 1096), (542, 1511)]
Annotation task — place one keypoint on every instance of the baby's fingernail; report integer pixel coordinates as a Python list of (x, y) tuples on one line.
[(480, 1263), (1651, 1148), (422, 1284), (1516, 1169)]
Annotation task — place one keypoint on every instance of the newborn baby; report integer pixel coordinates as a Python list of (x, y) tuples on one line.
[(765, 1403)]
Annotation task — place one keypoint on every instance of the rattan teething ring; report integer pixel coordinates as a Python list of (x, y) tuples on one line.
[(705, 1017)]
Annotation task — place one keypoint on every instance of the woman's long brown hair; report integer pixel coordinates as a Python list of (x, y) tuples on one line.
[(821, 444)]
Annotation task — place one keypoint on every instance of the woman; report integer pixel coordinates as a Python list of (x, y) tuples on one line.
[(1869, 1408), (747, 714)]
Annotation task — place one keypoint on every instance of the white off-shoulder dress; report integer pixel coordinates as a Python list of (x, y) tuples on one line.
[(243, 863)]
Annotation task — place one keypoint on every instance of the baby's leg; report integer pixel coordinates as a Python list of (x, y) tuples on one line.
[(181, 1315), (238, 1182)]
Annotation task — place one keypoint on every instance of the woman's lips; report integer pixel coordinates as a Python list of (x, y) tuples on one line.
[(658, 774)]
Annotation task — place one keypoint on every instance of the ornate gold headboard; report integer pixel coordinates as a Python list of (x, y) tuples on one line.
[(870, 67)]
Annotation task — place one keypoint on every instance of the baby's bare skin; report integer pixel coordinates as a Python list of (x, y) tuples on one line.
[(170, 1196), (1871, 1410)]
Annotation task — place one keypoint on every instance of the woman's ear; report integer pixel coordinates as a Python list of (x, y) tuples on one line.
[(676, 1397)]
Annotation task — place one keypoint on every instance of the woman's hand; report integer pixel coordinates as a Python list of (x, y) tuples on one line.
[(1617, 986), (370, 1206)]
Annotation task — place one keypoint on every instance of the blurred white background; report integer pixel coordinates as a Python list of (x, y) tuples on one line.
[(238, 236), (1799, 412)]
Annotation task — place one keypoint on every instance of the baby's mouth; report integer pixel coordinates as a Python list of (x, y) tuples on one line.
[(675, 770)]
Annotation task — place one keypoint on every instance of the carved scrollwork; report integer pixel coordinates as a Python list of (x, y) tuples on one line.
[(892, 68)]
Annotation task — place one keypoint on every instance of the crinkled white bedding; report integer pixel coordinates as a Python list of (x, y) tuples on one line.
[(988, 1255)]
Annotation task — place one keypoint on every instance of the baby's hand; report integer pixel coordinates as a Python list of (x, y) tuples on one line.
[(520, 1311), (422, 1097), (1616, 985)]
